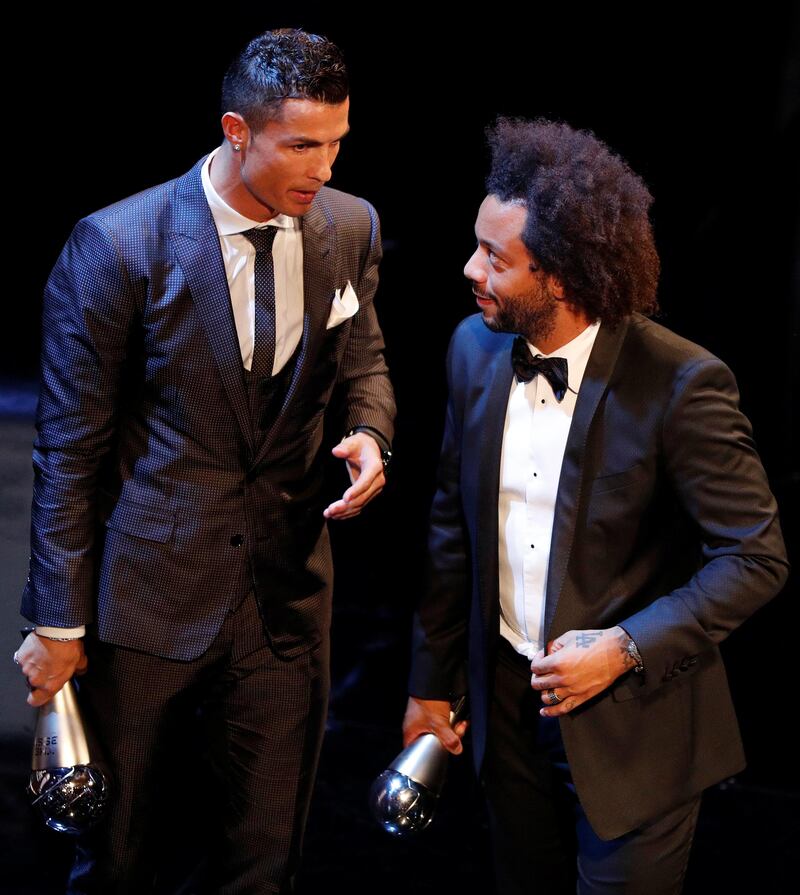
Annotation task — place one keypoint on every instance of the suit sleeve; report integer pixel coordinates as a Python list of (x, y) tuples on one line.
[(363, 372), (440, 632), (712, 464), (87, 314)]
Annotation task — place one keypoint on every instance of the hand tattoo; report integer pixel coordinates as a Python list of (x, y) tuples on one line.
[(584, 639)]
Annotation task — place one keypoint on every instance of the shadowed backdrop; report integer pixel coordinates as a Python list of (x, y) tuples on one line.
[(704, 110)]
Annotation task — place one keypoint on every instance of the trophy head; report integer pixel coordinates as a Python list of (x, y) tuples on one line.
[(71, 800), (401, 805)]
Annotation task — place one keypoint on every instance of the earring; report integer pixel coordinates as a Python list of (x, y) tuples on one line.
[(236, 147)]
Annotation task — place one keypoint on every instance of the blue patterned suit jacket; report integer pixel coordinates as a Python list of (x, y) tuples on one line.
[(154, 509)]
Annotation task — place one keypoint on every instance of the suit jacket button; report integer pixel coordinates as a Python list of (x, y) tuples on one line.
[(237, 540)]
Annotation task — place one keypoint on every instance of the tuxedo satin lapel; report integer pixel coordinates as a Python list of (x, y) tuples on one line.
[(318, 289), (595, 380), (196, 242), (490, 416)]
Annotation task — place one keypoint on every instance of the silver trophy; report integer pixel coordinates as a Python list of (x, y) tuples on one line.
[(67, 784), (403, 798)]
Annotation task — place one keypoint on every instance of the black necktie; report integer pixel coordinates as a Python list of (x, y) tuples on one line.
[(526, 366), (264, 281)]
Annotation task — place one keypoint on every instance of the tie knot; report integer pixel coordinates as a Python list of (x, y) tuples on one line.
[(261, 237)]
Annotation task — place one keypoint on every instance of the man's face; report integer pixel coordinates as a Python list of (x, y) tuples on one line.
[(513, 297), (284, 165)]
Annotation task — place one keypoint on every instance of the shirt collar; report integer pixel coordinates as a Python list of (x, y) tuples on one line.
[(582, 343), (577, 352), (227, 219)]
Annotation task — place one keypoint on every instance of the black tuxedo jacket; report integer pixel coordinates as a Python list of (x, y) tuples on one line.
[(664, 524), (155, 507)]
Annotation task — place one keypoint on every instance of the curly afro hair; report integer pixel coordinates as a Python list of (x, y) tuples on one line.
[(587, 221)]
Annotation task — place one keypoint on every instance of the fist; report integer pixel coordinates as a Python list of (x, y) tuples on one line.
[(48, 665)]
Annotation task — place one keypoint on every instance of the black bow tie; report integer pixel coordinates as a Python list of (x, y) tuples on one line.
[(526, 366)]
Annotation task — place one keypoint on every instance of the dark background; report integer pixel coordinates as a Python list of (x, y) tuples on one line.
[(706, 110)]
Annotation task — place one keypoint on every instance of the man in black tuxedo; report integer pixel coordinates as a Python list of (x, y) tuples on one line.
[(602, 522), (195, 337)]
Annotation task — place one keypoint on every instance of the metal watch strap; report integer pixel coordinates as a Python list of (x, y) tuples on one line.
[(633, 652)]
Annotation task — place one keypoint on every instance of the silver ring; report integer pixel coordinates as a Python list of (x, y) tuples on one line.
[(16, 659), (551, 697)]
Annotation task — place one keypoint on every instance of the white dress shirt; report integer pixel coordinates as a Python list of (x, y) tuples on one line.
[(239, 255), (534, 439)]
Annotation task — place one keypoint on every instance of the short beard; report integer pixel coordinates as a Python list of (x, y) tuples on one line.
[(532, 317)]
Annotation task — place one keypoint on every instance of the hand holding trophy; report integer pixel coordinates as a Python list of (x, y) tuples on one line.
[(67, 784), (403, 798)]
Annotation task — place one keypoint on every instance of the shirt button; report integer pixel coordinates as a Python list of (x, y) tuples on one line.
[(237, 540)]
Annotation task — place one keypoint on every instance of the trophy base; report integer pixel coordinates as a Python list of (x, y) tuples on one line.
[(401, 806), (71, 800)]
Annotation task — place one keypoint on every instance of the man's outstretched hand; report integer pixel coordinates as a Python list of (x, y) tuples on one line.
[(365, 467)]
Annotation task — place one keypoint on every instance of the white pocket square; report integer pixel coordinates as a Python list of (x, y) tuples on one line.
[(343, 307)]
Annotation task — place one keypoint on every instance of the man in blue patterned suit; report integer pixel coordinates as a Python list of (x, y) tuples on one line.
[(194, 337)]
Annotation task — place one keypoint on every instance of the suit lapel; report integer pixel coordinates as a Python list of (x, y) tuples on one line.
[(318, 287), (490, 416), (197, 248), (595, 381)]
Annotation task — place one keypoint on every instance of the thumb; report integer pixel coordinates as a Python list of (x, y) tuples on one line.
[(343, 449), (461, 728)]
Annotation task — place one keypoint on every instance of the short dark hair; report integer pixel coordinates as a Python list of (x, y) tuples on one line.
[(587, 221), (279, 65)]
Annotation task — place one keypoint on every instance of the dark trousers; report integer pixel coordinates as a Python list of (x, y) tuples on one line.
[(213, 763), (541, 838)]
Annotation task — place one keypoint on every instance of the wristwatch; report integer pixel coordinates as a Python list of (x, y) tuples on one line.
[(633, 652)]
